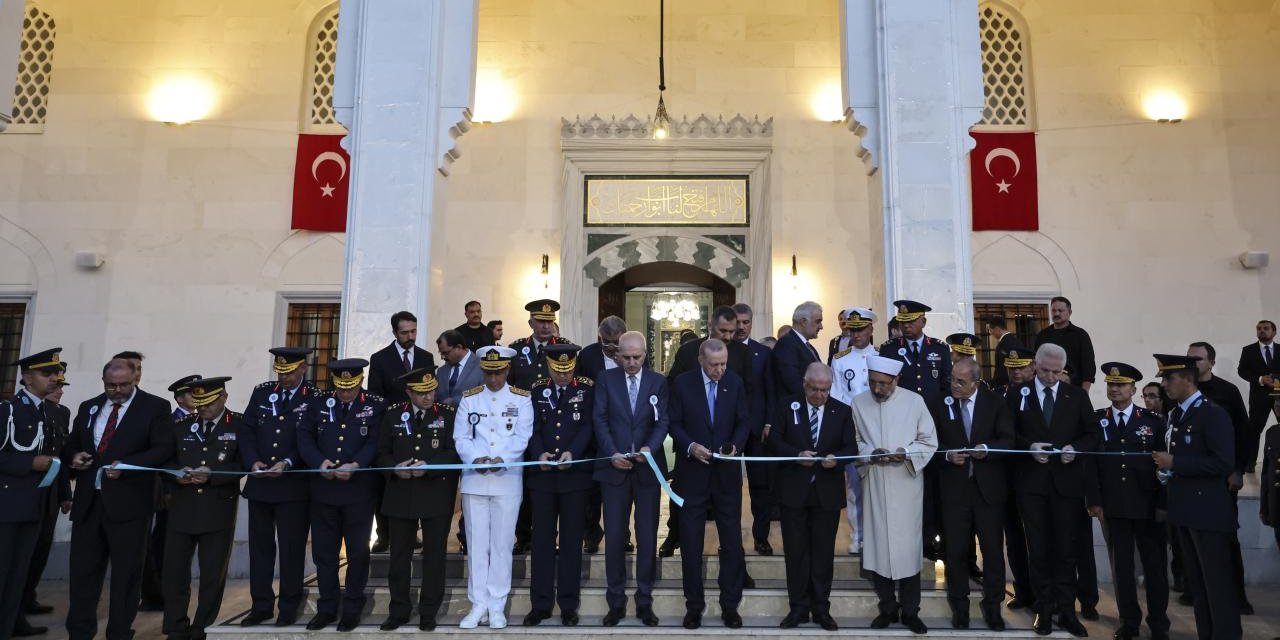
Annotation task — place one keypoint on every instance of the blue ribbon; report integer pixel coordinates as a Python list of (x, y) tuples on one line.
[(916, 453), (51, 474)]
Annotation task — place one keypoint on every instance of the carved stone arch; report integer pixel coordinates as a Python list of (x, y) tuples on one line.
[(39, 256), (706, 254), (296, 243), (1022, 265)]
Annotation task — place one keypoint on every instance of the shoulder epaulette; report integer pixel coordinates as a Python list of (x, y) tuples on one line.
[(399, 406), (472, 391), (235, 415), (520, 392), (373, 397), (544, 382), (518, 341), (266, 384), (842, 354), (445, 408), (190, 417), (931, 340), (587, 381)]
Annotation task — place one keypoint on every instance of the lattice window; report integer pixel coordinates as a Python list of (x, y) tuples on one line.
[(322, 56), (13, 316), (315, 325), (35, 67), (1004, 69), (1023, 320)]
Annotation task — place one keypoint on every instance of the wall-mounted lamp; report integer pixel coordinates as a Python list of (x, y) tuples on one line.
[(794, 271), (546, 271), (495, 98), (181, 99), (1165, 107), (827, 103)]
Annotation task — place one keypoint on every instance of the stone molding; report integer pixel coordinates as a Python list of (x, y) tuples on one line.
[(632, 127)]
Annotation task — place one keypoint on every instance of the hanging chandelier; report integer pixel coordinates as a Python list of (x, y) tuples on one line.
[(661, 121), (674, 310)]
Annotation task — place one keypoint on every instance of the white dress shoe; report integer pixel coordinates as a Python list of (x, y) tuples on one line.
[(474, 618), (497, 620), (854, 548)]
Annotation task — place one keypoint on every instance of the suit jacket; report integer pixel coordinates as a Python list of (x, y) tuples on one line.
[(992, 426), (469, 377), (620, 430), (559, 427), (328, 433), (20, 499), (143, 437), (1073, 424), (1252, 366), (789, 436), (760, 386), (1227, 396), (686, 359), (591, 361), (691, 422), (1203, 456), (791, 356), (1269, 479), (931, 376), (386, 365), (1126, 486), (208, 507), (55, 437), (269, 434), (400, 438)]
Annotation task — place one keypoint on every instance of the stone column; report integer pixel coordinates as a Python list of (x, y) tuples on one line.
[(12, 13), (403, 88), (912, 76)]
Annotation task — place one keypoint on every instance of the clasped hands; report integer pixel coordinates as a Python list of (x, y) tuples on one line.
[(703, 454), (882, 456), (411, 473), (1068, 452), (828, 461), (486, 460), (552, 460), (341, 471)]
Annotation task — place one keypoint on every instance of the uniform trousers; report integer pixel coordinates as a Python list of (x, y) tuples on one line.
[(332, 526), (44, 544), (1206, 557), (153, 561), (907, 600), (1050, 522), (964, 515), (853, 504), (491, 532), (95, 542), (1086, 565), (759, 487), (618, 500), (557, 577), (808, 542), (17, 540), (213, 553), (1148, 536), (284, 523), (402, 536)]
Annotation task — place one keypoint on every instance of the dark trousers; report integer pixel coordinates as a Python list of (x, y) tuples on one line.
[(618, 500), (153, 562), (592, 530), (331, 527), (285, 523), (1086, 564), (808, 543), (557, 577), (1148, 536), (96, 542), (760, 488), (906, 602), (1206, 557), (1175, 552), (965, 515), (930, 525), (403, 535), (1050, 524), (44, 544), (213, 553), (17, 540), (1237, 560), (524, 520), (1016, 545), (726, 507)]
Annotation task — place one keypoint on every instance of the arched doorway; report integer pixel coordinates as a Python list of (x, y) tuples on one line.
[(662, 300)]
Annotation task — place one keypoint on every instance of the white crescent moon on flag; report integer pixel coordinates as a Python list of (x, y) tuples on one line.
[(1001, 152), (342, 164)]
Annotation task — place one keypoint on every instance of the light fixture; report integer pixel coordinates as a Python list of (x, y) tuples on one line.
[(661, 121), (827, 103), (546, 271), (181, 99), (495, 99), (674, 309), (794, 271), (1165, 107)]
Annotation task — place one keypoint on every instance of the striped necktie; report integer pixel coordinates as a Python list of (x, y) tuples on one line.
[(813, 425)]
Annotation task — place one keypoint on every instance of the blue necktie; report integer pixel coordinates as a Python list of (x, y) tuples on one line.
[(453, 377), (711, 400), (813, 426), (1047, 406)]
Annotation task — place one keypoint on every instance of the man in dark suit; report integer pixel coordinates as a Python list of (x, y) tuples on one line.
[(1201, 455), (760, 379), (398, 358), (596, 358), (460, 371), (1259, 367), (1125, 495), (1050, 415), (474, 331), (793, 354), (973, 489), (709, 414), (811, 494), (1019, 364), (126, 425), (998, 328), (629, 416)]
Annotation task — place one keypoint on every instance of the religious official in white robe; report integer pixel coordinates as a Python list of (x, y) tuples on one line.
[(895, 424)]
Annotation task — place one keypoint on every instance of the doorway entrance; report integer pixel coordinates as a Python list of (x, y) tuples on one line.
[(665, 301)]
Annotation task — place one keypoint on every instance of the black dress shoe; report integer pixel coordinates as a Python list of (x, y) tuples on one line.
[(959, 619), (1159, 635), (1088, 612), (825, 621), (591, 547), (254, 617), (612, 618), (320, 621), (1043, 624), (391, 624), (348, 623), (1246, 609), (1124, 634), (764, 548), (1071, 625), (630, 547), (793, 620), (1015, 604), (35, 609), (883, 620), (747, 581), (647, 616), (521, 547), (286, 619), (731, 618), (28, 630), (915, 624), (569, 618), (994, 620), (692, 620), (535, 617), (668, 548), (379, 546), (427, 623)]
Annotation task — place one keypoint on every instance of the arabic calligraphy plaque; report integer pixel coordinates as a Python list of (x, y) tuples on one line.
[(624, 201)]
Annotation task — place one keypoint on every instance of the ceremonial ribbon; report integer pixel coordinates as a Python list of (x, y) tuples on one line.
[(51, 474), (869, 456)]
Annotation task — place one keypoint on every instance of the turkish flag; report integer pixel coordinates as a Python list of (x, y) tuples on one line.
[(1002, 174), (320, 178)]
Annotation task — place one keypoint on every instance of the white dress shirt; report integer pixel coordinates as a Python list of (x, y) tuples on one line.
[(104, 414)]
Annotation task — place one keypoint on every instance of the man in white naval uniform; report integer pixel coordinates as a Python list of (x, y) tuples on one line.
[(493, 425), (849, 371)]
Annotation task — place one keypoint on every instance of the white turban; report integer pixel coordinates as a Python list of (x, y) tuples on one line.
[(887, 366)]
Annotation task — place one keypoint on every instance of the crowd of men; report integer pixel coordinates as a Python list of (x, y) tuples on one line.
[(544, 439)]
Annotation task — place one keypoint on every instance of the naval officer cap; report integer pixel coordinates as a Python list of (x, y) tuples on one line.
[(561, 357), (963, 343), (495, 358), (910, 310), (857, 318), (543, 310), (47, 360), (1120, 373), (288, 359), (205, 391), (881, 364), (420, 380)]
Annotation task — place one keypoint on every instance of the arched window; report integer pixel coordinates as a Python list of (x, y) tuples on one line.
[(35, 67), (322, 55), (1004, 68)]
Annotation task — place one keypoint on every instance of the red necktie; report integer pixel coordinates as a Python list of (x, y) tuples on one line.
[(110, 429), (404, 357)]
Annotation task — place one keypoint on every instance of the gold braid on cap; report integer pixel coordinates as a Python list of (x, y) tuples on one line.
[(282, 365), (348, 380), (200, 396), (855, 321), (564, 363), (966, 348), (44, 365), (493, 361), (907, 316), (1114, 377), (426, 385), (1011, 362)]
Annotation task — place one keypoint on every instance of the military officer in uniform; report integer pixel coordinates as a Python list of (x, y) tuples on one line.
[(496, 421), (24, 463), (1201, 454), (1269, 496), (181, 390), (562, 432), (202, 509), (1018, 364), (414, 433), (849, 378), (962, 345), (1124, 494), (338, 436), (278, 502)]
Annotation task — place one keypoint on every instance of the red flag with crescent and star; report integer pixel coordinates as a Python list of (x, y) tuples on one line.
[(1002, 175), (320, 179)]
